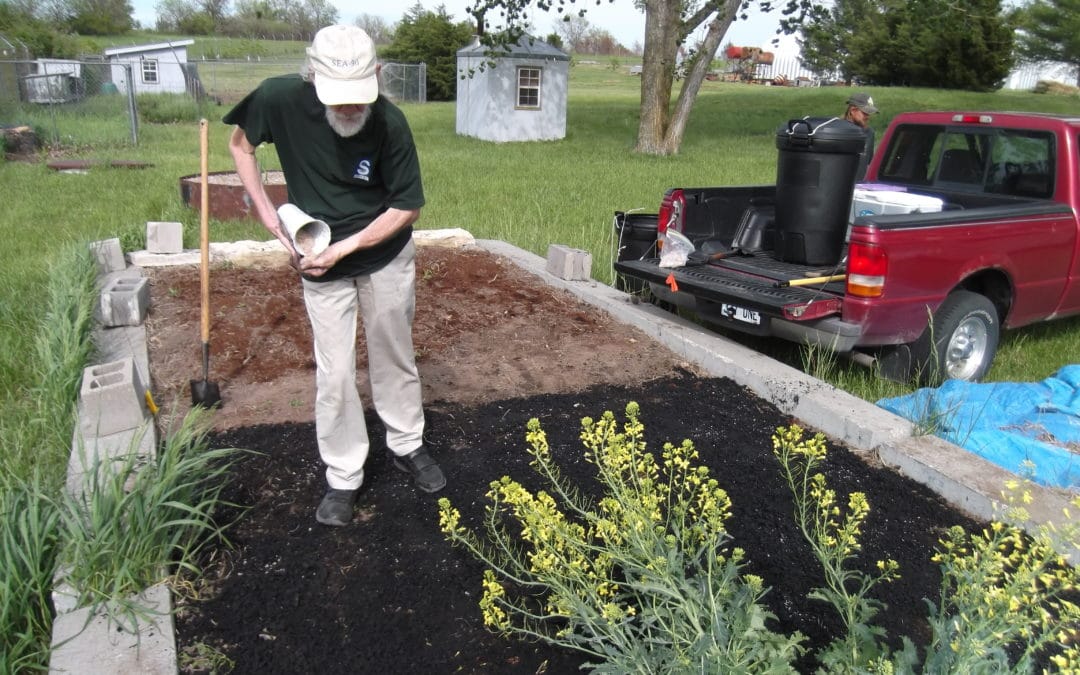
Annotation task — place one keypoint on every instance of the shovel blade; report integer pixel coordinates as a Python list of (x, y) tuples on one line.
[(205, 393)]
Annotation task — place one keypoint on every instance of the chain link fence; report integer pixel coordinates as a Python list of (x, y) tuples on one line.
[(94, 102), (70, 102), (226, 82)]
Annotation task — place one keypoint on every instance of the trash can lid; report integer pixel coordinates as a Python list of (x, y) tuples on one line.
[(821, 134)]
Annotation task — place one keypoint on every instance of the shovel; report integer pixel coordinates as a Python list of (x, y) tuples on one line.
[(205, 393)]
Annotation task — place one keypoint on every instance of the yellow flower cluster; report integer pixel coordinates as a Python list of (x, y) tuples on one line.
[(449, 517), (491, 603), (789, 441)]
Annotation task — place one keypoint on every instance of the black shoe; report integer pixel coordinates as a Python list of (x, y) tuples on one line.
[(336, 507), (424, 469)]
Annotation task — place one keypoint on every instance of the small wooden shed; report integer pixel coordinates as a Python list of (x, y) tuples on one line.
[(156, 68), (521, 98)]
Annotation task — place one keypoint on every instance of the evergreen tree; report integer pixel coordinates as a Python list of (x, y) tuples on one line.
[(922, 43), (431, 38), (1051, 32)]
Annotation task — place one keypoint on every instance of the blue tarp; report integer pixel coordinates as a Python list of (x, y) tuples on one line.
[(1031, 429)]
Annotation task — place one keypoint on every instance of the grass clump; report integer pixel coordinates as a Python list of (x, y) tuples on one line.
[(35, 435), (136, 520)]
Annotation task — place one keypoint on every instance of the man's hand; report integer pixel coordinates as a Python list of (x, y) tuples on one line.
[(294, 258), (317, 266)]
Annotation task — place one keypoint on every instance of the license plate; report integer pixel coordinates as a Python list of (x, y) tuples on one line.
[(743, 314)]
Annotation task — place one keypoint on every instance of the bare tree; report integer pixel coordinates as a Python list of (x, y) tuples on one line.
[(215, 9), (573, 28), (376, 27)]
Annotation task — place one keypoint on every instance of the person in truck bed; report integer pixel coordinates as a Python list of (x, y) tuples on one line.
[(860, 106)]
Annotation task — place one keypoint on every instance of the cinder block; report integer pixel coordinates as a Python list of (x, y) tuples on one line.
[(124, 301), (112, 399), (164, 237), (93, 458), (92, 643), (109, 255), (568, 263)]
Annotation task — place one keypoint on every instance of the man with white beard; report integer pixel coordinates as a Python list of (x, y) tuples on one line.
[(349, 159)]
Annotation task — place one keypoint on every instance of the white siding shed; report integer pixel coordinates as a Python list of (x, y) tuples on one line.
[(522, 98), (156, 68)]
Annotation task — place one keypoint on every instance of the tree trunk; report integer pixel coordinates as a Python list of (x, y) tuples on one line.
[(692, 84), (659, 131), (657, 73)]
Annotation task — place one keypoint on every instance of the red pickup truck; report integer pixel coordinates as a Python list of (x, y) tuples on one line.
[(992, 241)]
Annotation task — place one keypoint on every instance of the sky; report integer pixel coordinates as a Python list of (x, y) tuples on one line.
[(618, 18)]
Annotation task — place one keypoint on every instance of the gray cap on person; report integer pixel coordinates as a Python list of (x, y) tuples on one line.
[(863, 102)]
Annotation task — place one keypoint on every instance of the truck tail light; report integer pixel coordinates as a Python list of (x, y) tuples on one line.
[(671, 214), (867, 265)]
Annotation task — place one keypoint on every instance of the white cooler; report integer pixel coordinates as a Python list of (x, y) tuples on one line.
[(866, 202)]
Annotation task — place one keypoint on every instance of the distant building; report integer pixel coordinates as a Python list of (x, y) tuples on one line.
[(522, 98), (52, 81), (159, 68)]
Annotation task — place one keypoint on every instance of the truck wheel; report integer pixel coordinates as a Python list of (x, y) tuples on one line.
[(961, 341)]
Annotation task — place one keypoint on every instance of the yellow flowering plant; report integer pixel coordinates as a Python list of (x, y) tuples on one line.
[(1006, 590), (643, 579), (1007, 596), (833, 532)]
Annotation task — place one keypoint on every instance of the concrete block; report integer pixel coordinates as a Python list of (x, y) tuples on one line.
[(92, 643), (124, 301), (569, 263), (112, 398), (109, 255), (164, 237), (128, 451)]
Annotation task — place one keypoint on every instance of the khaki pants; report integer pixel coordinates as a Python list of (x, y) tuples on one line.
[(386, 300)]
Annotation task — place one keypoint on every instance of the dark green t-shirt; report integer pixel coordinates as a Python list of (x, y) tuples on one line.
[(347, 182)]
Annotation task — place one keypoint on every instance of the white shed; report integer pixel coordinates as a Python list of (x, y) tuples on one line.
[(522, 98), (156, 68)]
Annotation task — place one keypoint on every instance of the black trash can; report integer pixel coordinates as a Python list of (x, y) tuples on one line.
[(635, 238), (815, 179)]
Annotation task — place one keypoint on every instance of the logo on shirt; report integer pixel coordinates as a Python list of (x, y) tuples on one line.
[(363, 170)]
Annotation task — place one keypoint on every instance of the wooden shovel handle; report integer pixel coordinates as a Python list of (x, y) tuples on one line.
[(809, 281), (204, 226)]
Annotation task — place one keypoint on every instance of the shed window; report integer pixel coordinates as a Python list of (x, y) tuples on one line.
[(528, 95), (150, 71)]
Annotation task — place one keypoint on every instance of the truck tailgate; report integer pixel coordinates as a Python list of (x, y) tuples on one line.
[(748, 281)]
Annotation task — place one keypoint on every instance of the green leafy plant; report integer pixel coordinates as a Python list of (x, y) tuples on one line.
[(204, 658), (644, 580)]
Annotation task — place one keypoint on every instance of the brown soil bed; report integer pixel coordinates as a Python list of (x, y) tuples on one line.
[(496, 346)]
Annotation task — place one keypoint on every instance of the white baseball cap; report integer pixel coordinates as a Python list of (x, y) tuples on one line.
[(342, 59)]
